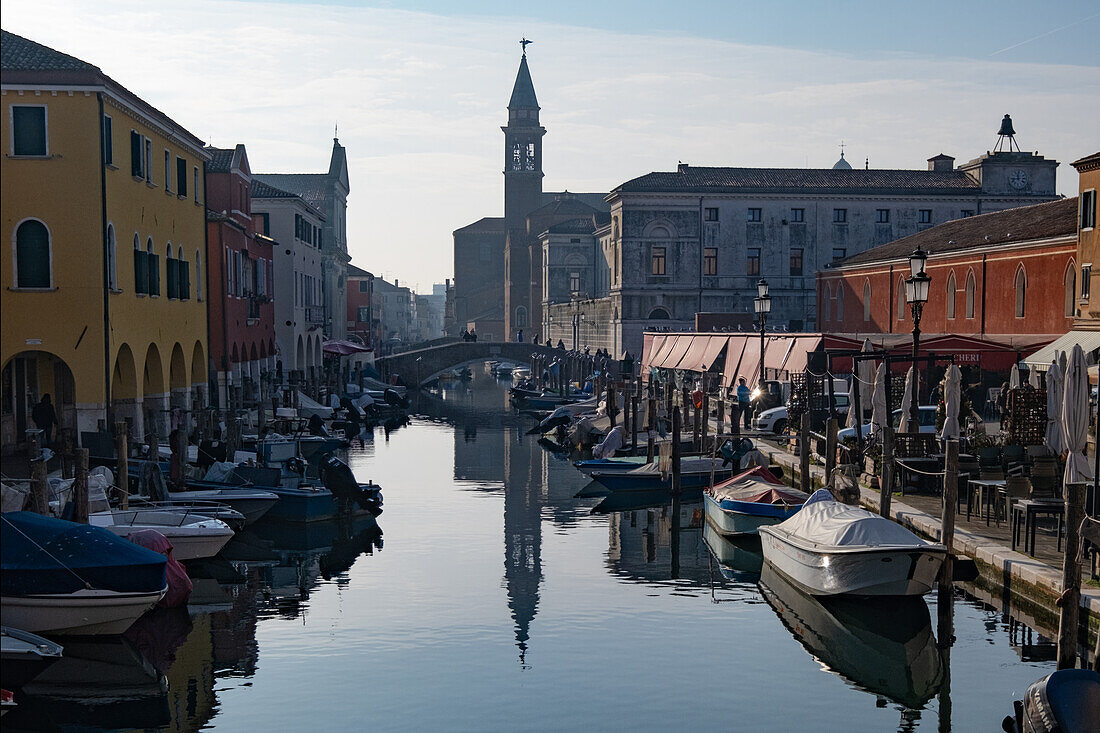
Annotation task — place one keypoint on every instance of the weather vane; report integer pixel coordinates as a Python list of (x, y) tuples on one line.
[(523, 42)]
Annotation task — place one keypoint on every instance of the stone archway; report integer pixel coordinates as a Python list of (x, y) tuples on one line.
[(199, 386), (125, 392), (27, 377), (154, 394), (178, 377)]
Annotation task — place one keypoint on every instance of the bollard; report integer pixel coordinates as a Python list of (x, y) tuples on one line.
[(1069, 602), (122, 450), (80, 487)]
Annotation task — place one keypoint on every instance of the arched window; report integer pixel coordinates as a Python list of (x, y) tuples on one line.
[(970, 294), (172, 268), (901, 299), (828, 301), (1021, 292), (32, 255), (112, 258), (951, 289), (521, 316), (659, 314), (840, 303), (1070, 285), (867, 300)]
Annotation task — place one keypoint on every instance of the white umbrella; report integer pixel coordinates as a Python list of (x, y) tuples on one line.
[(1055, 437), (911, 378), (853, 419), (952, 386), (866, 374), (1014, 377), (879, 413), (1075, 418), (1033, 376), (1063, 362)]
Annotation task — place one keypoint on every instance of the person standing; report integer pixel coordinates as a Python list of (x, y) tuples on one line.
[(45, 418), (744, 402)]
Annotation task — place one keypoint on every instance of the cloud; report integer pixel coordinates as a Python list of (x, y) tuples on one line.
[(420, 98)]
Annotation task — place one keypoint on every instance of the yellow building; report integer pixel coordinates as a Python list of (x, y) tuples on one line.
[(1088, 244), (103, 294)]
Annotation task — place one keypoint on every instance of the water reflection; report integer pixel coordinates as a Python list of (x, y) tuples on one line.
[(739, 558), (882, 645), (657, 543)]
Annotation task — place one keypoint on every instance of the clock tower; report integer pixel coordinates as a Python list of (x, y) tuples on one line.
[(1011, 173), (522, 149)]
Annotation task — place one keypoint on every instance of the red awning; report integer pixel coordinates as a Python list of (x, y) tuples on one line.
[(651, 344), (681, 342), (662, 353), (799, 356), (714, 350), (734, 355)]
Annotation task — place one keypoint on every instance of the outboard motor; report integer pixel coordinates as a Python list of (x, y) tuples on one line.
[(392, 398), (338, 478)]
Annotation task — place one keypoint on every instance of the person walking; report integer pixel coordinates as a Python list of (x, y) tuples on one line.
[(744, 402), (45, 418)]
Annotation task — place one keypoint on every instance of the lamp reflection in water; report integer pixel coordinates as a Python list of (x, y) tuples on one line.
[(883, 645)]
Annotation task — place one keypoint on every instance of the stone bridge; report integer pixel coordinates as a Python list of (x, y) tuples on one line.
[(419, 366)]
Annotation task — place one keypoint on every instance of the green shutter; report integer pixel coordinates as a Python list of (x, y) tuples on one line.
[(141, 271), (185, 280), (172, 267), (32, 255), (154, 273), (135, 155), (29, 130)]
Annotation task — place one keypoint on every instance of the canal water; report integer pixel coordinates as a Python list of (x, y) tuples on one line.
[(487, 598)]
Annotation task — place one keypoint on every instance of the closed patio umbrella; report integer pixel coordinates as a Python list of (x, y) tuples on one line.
[(1055, 437), (879, 413), (911, 378), (1033, 376), (951, 392), (866, 373), (1014, 377), (1075, 418), (853, 419)]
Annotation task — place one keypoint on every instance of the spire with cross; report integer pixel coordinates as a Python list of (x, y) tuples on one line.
[(524, 42)]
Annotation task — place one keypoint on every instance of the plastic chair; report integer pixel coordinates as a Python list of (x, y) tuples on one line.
[(1017, 488), (989, 456)]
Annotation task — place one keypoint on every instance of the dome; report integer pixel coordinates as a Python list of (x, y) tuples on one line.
[(842, 165)]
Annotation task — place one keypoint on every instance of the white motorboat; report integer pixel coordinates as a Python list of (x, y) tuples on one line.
[(829, 548), (192, 536), (25, 655), (81, 612)]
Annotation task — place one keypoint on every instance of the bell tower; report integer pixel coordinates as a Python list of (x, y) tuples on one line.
[(522, 148)]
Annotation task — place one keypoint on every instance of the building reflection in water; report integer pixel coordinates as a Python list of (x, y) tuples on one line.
[(652, 540)]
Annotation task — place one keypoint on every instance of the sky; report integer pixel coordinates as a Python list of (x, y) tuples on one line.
[(418, 90)]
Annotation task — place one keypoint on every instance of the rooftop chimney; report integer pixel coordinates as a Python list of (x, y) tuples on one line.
[(941, 162)]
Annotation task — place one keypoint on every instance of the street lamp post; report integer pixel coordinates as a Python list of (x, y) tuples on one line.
[(762, 304), (916, 293)]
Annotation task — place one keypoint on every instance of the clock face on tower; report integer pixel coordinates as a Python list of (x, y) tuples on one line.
[(1018, 178)]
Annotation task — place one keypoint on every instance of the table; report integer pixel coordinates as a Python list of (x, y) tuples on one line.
[(987, 489), (1028, 510)]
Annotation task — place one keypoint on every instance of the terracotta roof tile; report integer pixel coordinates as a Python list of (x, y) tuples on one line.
[(22, 54)]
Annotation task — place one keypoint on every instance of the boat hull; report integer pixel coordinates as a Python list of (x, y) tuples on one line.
[(625, 481), (86, 612), (251, 504), (746, 517), (307, 505), (886, 571)]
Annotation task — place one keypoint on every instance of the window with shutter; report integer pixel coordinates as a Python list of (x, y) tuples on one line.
[(136, 154), (108, 141), (181, 176), (28, 130), (141, 271), (32, 255), (185, 280)]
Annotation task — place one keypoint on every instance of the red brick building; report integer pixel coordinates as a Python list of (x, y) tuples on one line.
[(240, 279), (1004, 281), (362, 320)]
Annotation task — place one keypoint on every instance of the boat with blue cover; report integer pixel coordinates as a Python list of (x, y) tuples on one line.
[(695, 473), (65, 578), (750, 500)]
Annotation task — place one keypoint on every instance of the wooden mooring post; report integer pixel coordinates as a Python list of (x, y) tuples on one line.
[(886, 480), (830, 450), (804, 453), (651, 427), (633, 418), (122, 451), (945, 596), (40, 493), (676, 451), (1069, 603), (706, 421), (80, 487)]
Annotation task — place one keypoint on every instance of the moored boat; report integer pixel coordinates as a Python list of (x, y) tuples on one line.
[(193, 536), (65, 578), (695, 473), (1066, 700), (25, 656), (829, 548), (744, 503)]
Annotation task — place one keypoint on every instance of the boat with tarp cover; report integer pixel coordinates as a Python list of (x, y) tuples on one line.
[(746, 502), (829, 548), (65, 578)]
